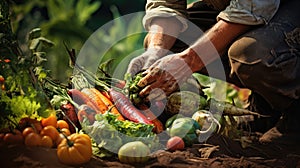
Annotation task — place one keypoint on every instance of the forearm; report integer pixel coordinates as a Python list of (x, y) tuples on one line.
[(163, 33), (213, 43)]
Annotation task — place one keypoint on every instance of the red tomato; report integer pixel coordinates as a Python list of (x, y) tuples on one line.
[(175, 143), (47, 142), (33, 139), (27, 131), (13, 138)]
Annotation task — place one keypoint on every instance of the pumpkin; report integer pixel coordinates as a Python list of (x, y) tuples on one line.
[(75, 149)]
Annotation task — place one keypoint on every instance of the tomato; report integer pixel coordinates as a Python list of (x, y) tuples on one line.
[(13, 138), (50, 131), (30, 122), (47, 142), (75, 150), (62, 124), (59, 139), (175, 143), (134, 152), (27, 131), (33, 139), (50, 120), (66, 131)]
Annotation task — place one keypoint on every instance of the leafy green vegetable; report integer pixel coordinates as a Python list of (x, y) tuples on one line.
[(110, 134)]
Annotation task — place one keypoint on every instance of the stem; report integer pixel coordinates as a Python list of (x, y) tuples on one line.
[(69, 142), (76, 129)]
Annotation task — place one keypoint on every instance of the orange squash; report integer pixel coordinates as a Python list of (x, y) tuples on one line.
[(75, 149)]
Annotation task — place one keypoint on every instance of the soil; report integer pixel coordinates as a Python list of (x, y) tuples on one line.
[(218, 151)]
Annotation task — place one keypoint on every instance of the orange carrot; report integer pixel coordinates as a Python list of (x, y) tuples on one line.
[(96, 100), (108, 103), (80, 98), (85, 110)]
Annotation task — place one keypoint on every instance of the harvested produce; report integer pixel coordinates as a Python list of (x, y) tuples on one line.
[(110, 134), (86, 111), (27, 131), (127, 109), (95, 99), (108, 103), (134, 152), (13, 138), (158, 126), (206, 120), (70, 116), (81, 98), (30, 122), (185, 103), (50, 131), (47, 142), (50, 120), (33, 139), (175, 143), (75, 149), (132, 89), (186, 128), (62, 124), (170, 121)]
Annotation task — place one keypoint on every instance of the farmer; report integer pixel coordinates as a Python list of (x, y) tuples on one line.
[(257, 41)]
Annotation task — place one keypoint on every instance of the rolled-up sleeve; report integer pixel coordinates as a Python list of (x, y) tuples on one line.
[(165, 8), (250, 12)]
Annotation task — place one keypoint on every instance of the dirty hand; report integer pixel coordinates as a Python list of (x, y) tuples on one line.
[(145, 60), (164, 77)]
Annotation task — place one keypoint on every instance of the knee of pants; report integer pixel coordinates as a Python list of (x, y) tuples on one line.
[(245, 56)]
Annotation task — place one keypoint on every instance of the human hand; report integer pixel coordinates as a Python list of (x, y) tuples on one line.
[(164, 77), (145, 60)]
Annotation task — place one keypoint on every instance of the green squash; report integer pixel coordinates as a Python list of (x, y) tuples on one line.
[(134, 152), (186, 128)]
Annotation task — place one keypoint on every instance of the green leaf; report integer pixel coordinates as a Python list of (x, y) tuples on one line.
[(35, 33), (85, 9)]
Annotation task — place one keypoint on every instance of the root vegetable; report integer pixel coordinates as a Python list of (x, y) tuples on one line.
[(127, 109), (175, 143)]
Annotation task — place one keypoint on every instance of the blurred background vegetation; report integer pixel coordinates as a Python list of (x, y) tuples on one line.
[(72, 22)]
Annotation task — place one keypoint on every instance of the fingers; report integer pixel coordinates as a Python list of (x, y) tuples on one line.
[(151, 76), (135, 65), (159, 89)]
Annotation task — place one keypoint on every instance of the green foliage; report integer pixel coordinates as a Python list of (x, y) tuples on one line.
[(109, 134), (68, 21)]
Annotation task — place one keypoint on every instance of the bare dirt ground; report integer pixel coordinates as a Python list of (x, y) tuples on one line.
[(218, 151)]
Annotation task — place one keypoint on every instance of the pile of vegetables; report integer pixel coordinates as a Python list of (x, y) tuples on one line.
[(50, 132), (95, 114)]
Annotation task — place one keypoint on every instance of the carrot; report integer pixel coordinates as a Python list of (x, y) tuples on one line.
[(158, 126), (96, 99), (105, 94), (82, 98), (108, 103), (85, 110), (127, 109)]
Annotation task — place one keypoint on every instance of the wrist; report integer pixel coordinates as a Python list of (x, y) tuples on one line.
[(156, 51), (192, 59)]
